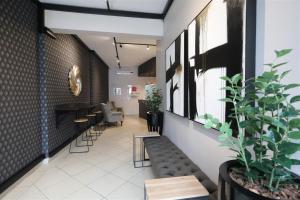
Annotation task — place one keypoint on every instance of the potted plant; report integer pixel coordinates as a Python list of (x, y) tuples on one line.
[(268, 134), (154, 115)]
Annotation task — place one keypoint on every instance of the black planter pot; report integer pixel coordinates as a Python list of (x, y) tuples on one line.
[(228, 189), (155, 122)]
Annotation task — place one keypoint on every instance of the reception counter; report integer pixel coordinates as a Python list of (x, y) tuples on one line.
[(142, 109)]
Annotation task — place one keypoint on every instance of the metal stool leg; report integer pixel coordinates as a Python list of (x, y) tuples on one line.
[(87, 139), (76, 145)]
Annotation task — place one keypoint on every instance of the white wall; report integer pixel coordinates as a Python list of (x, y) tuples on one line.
[(129, 104), (199, 144), (280, 29), (276, 29)]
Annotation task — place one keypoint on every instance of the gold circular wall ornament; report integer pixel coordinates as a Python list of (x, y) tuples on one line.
[(75, 82)]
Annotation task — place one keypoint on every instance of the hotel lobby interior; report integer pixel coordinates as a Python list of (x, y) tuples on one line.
[(149, 99)]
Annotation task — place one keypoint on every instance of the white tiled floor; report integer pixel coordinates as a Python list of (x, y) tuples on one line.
[(106, 172)]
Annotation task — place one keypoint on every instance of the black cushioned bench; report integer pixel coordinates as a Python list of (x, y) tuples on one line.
[(167, 161)]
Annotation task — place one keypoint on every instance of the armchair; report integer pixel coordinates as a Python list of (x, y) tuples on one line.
[(111, 116), (114, 108)]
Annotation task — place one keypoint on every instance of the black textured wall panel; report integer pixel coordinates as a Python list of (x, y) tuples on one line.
[(99, 80), (20, 127), (148, 68), (59, 56)]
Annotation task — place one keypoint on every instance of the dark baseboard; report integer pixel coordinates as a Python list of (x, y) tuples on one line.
[(31, 165), (20, 173), (60, 147)]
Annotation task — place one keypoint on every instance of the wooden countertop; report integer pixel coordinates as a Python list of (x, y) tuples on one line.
[(182, 187)]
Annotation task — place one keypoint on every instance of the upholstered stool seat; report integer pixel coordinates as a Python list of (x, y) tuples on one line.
[(81, 120), (91, 115)]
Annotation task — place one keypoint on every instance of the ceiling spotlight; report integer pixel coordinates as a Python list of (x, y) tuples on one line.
[(113, 43), (118, 61), (148, 48)]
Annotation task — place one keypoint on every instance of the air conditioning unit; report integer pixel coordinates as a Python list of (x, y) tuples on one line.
[(124, 72)]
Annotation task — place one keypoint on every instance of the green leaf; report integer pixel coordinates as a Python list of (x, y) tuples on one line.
[(282, 52), (284, 161), (229, 89), (288, 148), (269, 64), (289, 112), (208, 124), (215, 121), (284, 74), (226, 100), (244, 124), (271, 146), (290, 86), (294, 135), (226, 78), (260, 84), (294, 123), (250, 141), (225, 128), (267, 138), (279, 124), (252, 174), (236, 78), (295, 162), (262, 167), (295, 99), (268, 76), (278, 65)]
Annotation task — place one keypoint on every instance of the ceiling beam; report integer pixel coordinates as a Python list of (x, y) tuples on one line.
[(81, 23), (99, 11), (167, 8)]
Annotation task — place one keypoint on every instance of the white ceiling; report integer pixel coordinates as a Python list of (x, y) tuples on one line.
[(130, 55), (147, 6)]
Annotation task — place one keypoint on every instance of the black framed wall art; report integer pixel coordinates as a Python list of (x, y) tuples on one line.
[(221, 42), (176, 76)]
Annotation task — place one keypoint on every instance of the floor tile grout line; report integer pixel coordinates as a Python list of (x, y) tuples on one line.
[(41, 192)]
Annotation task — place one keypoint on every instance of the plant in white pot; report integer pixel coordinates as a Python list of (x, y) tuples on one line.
[(268, 134)]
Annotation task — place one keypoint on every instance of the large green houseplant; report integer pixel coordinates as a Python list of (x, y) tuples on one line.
[(268, 131), (154, 116)]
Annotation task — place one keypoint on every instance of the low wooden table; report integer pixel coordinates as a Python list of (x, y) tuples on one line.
[(182, 187), (142, 148)]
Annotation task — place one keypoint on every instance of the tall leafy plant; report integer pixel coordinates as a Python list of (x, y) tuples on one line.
[(153, 99), (268, 124)]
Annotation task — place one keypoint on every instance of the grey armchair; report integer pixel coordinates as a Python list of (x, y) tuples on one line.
[(114, 108), (111, 116)]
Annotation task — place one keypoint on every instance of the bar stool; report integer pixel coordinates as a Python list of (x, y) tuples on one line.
[(99, 122), (93, 122), (80, 126)]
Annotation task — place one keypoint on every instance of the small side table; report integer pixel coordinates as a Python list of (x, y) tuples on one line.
[(182, 187), (142, 148)]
